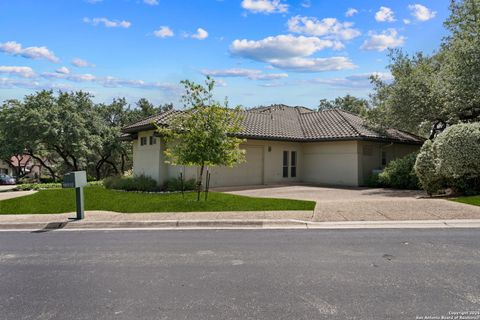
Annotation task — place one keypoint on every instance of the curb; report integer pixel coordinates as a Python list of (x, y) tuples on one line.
[(233, 224)]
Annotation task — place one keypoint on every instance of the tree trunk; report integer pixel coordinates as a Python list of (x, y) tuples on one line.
[(199, 182), (50, 170)]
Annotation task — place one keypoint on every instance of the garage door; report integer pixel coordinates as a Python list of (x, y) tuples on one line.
[(245, 174)]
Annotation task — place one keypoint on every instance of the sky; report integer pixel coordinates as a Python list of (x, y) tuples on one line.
[(259, 52)]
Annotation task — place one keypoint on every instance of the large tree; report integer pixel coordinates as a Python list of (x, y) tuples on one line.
[(68, 131), (443, 86), (348, 103), (204, 134)]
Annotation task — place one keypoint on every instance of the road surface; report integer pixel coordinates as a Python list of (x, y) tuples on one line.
[(240, 274)]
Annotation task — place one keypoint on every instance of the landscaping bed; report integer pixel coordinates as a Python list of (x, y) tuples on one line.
[(100, 199)]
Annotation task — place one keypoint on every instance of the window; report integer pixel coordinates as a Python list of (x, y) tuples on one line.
[(143, 141), (384, 158), (285, 164), (153, 140), (293, 164)]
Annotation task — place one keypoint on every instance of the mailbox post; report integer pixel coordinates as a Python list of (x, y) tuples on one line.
[(77, 180)]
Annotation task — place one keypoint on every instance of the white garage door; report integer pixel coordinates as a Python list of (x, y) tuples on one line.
[(245, 174)]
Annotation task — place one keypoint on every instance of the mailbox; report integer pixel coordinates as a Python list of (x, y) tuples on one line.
[(77, 180)]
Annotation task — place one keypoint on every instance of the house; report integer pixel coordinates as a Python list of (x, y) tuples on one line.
[(5, 168), (284, 145), (23, 164)]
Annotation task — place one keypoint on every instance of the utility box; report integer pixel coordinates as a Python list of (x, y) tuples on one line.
[(77, 180)]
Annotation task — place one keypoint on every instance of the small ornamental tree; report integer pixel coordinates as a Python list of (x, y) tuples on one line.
[(204, 133)]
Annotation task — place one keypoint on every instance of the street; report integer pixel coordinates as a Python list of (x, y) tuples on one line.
[(240, 274)]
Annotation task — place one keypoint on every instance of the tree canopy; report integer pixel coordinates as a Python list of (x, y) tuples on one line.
[(202, 135), (442, 86), (348, 103), (68, 131)]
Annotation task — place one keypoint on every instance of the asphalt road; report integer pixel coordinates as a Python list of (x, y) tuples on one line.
[(283, 274)]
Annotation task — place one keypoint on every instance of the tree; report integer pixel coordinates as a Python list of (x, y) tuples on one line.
[(410, 102), (444, 86), (347, 103), (204, 133)]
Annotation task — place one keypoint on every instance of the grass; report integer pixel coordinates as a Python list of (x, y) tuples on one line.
[(473, 200), (96, 198)]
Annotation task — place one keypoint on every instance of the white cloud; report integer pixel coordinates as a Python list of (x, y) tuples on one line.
[(252, 74), (163, 32), (109, 81), (15, 49), (290, 52), (63, 70), (385, 14), (151, 2), (407, 21), (7, 83), (355, 81), (279, 47), (306, 3), (77, 62), (300, 64), (264, 6), (328, 27), (108, 23), (24, 72), (421, 13), (380, 42), (351, 12), (201, 34)]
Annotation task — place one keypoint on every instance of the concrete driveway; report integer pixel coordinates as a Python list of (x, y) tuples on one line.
[(365, 204)]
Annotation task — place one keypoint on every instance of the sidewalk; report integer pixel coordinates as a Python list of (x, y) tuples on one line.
[(98, 220)]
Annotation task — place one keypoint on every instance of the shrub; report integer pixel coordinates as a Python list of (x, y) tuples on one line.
[(44, 186), (139, 183), (175, 184), (426, 170), (458, 157), (400, 173), (373, 181), (452, 160), (37, 186)]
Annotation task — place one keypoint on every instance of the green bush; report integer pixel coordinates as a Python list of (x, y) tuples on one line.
[(400, 173), (175, 184), (452, 160), (53, 185), (37, 186), (458, 157), (425, 169), (140, 183), (373, 181)]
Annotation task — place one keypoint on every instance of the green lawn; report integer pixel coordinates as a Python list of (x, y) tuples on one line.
[(96, 198), (473, 200)]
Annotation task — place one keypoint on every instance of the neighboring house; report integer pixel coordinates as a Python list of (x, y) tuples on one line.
[(284, 145), (5, 168), (24, 163)]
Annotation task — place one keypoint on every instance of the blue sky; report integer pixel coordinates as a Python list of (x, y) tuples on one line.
[(259, 51)]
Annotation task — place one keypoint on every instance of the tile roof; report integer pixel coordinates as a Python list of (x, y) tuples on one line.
[(280, 122)]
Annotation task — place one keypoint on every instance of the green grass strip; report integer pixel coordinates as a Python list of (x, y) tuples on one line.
[(96, 198)]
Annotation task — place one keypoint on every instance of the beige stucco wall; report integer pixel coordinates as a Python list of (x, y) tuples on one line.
[(331, 163), (146, 159), (344, 163)]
